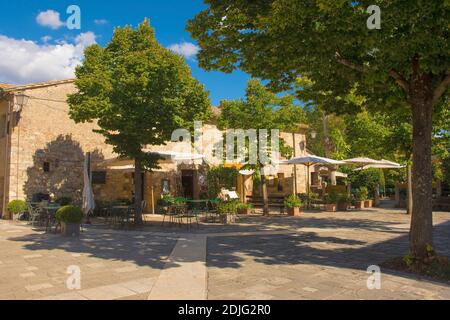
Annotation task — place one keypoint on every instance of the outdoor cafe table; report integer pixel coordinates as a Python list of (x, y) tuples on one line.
[(123, 215)]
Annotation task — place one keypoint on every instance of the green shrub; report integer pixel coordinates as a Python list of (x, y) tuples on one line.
[(17, 206), (344, 198), (69, 214), (220, 177), (362, 194), (332, 197), (292, 201), (64, 201), (244, 206), (227, 207), (166, 200)]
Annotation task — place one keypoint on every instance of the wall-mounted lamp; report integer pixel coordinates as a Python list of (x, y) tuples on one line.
[(313, 134), (21, 101)]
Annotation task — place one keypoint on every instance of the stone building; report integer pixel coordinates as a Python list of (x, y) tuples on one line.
[(42, 152)]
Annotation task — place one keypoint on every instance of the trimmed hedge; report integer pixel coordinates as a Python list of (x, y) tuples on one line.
[(69, 214), (17, 206)]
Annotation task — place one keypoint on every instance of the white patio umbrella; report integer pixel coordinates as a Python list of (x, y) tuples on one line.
[(383, 164), (88, 194), (309, 161)]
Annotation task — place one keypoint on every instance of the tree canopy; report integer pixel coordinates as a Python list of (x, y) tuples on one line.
[(138, 92), (404, 64)]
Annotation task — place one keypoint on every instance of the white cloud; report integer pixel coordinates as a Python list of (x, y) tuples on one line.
[(23, 61), (186, 49), (85, 39), (100, 22), (49, 18)]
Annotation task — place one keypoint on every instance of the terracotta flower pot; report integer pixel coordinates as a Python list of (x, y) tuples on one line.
[(368, 203), (294, 212), (342, 206), (70, 229), (359, 204), (330, 207)]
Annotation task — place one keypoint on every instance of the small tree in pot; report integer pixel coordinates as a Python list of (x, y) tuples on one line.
[(244, 208), (344, 201), (17, 208), (293, 204), (227, 211), (360, 197), (70, 218), (331, 201)]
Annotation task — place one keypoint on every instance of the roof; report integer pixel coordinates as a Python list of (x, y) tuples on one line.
[(12, 88)]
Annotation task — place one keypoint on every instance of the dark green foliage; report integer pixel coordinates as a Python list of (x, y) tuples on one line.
[(292, 201), (227, 207), (64, 201), (220, 177)]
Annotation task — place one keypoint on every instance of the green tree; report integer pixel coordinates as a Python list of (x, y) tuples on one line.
[(138, 92), (328, 41), (262, 109)]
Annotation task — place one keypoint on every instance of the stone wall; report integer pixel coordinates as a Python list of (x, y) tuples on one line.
[(43, 134)]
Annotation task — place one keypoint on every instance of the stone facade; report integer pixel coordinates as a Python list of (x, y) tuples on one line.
[(42, 152)]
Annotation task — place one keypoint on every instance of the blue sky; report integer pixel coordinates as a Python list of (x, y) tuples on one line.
[(36, 46)]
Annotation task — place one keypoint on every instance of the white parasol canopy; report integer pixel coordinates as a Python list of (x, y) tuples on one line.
[(383, 164), (362, 161), (88, 194), (312, 160)]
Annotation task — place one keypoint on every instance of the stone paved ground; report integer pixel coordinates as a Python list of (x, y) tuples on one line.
[(326, 258), (315, 256), (113, 264)]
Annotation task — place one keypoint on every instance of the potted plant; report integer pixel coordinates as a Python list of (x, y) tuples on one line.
[(17, 208), (343, 202), (293, 204), (360, 197), (244, 208), (365, 194), (331, 201), (227, 211), (70, 218)]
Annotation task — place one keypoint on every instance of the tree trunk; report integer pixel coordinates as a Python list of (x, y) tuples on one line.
[(138, 190), (421, 233), (264, 194)]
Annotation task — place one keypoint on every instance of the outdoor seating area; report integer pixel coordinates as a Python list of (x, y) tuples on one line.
[(42, 214)]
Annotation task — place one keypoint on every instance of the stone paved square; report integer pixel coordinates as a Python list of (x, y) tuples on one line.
[(315, 256)]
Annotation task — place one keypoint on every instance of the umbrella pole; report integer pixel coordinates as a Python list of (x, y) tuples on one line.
[(307, 186), (88, 218)]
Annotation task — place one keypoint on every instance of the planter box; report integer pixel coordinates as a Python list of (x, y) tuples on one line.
[(244, 211), (359, 204), (368, 203), (294, 212), (228, 219), (330, 207), (342, 206), (70, 229)]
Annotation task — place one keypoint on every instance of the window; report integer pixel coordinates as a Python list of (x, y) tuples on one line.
[(46, 167), (98, 177), (165, 186)]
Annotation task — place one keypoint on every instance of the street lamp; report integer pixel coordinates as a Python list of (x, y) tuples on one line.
[(21, 101)]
